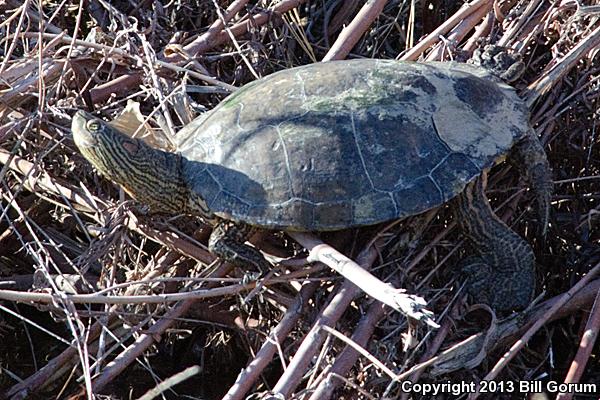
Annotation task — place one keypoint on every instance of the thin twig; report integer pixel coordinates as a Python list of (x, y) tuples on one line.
[(170, 382)]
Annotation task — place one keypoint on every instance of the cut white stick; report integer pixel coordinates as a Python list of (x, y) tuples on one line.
[(410, 305)]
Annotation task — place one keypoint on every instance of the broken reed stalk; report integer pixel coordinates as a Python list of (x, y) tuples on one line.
[(410, 305), (457, 34), (466, 10)]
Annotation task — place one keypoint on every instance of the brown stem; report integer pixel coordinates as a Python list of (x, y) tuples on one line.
[(354, 31)]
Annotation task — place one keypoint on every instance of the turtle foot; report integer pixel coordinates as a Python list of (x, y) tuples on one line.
[(500, 61), (501, 290), (227, 242)]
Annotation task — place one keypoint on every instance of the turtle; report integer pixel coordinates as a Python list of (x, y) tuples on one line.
[(341, 144)]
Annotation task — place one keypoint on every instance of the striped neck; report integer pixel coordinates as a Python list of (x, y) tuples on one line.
[(152, 177)]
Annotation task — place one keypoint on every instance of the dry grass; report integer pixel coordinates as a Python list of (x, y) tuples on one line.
[(100, 297)]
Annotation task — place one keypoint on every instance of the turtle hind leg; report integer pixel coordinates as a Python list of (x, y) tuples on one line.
[(530, 159), (227, 242), (502, 272)]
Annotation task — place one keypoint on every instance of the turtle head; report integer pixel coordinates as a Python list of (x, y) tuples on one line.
[(152, 177)]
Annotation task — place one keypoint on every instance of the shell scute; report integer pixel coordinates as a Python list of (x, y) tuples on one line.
[(476, 93), (453, 173), (423, 193)]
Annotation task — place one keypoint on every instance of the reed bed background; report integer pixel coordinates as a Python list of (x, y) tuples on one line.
[(100, 298)]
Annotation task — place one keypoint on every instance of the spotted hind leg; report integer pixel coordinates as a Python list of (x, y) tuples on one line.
[(227, 242), (501, 273)]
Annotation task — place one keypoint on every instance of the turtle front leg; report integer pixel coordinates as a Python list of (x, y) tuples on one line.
[(502, 273), (529, 158), (227, 242)]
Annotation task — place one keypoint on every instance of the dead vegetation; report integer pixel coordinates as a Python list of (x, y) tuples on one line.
[(100, 297)]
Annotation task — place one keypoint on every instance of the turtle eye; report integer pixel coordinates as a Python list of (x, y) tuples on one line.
[(93, 126)]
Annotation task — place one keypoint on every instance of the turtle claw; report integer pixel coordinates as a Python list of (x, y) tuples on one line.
[(250, 276)]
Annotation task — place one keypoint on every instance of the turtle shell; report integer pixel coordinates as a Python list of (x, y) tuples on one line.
[(347, 143)]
